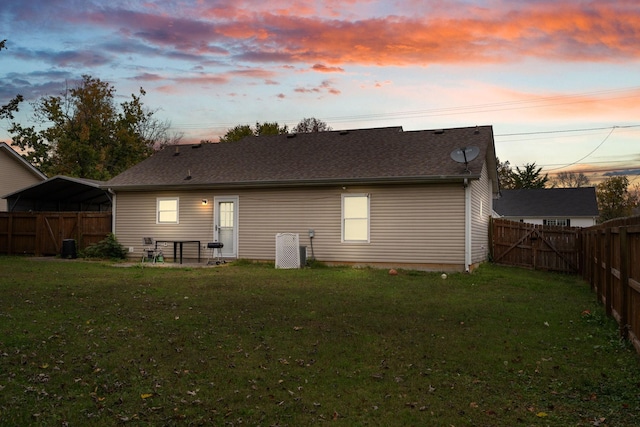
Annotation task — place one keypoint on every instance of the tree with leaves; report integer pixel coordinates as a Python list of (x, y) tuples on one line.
[(614, 198), (310, 125), (529, 177), (570, 180), (241, 131), (86, 134), (7, 110), (505, 175)]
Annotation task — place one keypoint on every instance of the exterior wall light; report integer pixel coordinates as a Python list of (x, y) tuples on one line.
[(205, 202)]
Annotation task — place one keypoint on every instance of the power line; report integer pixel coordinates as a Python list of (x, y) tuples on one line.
[(590, 153), (565, 131), (468, 109)]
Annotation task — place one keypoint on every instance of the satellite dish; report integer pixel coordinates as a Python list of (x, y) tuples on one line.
[(465, 155)]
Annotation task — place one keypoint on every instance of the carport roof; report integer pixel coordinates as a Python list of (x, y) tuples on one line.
[(72, 190)]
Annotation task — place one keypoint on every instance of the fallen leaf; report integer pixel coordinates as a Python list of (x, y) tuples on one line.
[(541, 414), (146, 395)]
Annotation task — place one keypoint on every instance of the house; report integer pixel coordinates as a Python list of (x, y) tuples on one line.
[(376, 197), (61, 194), (576, 207), (15, 173)]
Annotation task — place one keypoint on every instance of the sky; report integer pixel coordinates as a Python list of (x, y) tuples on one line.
[(559, 81)]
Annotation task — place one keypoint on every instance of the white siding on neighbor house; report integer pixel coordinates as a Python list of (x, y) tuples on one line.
[(13, 177), (409, 225), (575, 222), (481, 208)]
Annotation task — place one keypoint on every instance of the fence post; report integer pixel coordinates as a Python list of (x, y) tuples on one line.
[(597, 265), (608, 273), (625, 292), (491, 225), (579, 253)]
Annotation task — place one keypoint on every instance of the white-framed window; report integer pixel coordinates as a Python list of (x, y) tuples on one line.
[(167, 210), (557, 221), (355, 218)]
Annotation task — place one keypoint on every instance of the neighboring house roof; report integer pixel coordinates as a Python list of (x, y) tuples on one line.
[(20, 160), (59, 190), (547, 202), (379, 155)]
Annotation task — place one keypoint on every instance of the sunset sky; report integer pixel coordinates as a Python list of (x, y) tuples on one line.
[(559, 81)]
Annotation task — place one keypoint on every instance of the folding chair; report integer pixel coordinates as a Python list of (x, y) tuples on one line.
[(150, 252)]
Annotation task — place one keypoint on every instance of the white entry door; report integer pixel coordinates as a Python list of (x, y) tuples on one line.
[(225, 225)]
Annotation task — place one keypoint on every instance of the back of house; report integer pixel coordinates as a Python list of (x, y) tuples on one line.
[(377, 197)]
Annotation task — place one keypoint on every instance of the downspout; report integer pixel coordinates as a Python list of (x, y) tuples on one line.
[(113, 211), (467, 225)]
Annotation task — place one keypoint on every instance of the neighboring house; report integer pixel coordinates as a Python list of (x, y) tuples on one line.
[(576, 207), (61, 194), (15, 173), (377, 197)]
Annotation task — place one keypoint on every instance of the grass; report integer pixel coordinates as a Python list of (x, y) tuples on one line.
[(85, 343)]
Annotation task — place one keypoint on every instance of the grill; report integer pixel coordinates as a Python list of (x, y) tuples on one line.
[(215, 249)]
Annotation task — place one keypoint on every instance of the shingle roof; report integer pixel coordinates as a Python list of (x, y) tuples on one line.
[(363, 155), (548, 202)]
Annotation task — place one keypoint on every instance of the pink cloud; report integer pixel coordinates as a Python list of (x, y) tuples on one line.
[(324, 86), (324, 69), (334, 33)]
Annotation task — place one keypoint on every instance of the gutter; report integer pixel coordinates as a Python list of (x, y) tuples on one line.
[(467, 226), (295, 183), (113, 210)]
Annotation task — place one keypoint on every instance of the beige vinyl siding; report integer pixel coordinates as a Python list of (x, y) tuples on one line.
[(408, 225), (421, 225), (135, 218), (481, 207), (13, 177)]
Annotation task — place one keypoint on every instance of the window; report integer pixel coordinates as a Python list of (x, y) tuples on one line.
[(355, 218), (167, 210), (556, 221)]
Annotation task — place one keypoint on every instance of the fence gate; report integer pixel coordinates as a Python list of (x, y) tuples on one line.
[(42, 233), (540, 247)]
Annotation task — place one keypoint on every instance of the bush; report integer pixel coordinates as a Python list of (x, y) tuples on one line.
[(106, 248)]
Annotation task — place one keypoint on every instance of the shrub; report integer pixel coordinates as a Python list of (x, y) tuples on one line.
[(106, 248)]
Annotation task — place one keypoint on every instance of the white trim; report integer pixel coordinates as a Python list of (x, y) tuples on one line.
[(467, 226), (342, 218), (22, 160), (160, 199), (113, 213), (236, 224)]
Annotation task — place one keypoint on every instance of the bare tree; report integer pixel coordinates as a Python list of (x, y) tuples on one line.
[(570, 180), (310, 125)]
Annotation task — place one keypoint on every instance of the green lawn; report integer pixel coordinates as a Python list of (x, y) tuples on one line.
[(88, 343)]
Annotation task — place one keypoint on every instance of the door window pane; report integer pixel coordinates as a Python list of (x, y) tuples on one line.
[(226, 214)]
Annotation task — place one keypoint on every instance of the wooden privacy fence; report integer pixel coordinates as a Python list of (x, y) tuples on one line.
[(42, 233), (612, 268), (541, 247)]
